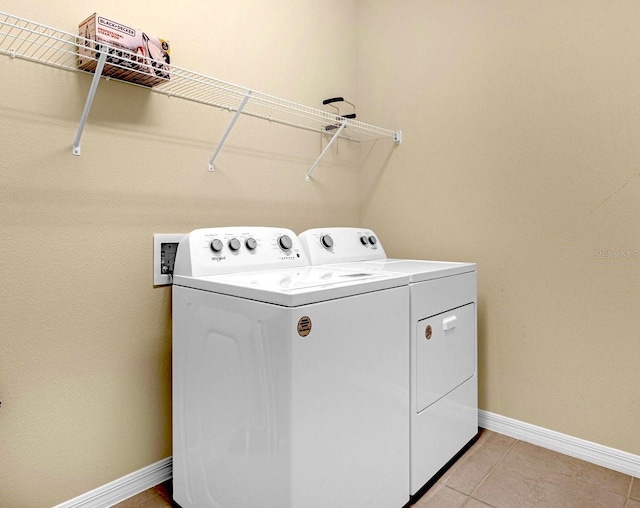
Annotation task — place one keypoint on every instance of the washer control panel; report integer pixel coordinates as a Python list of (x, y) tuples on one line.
[(341, 245), (212, 251)]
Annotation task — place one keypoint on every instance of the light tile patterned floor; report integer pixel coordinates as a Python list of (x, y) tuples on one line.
[(500, 472)]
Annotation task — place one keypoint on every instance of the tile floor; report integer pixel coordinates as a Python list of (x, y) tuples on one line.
[(500, 472)]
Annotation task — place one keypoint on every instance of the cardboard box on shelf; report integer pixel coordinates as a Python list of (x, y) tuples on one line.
[(133, 54)]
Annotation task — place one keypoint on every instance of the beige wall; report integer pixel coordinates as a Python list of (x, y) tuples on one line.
[(521, 123), (85, 337), (521, 153)]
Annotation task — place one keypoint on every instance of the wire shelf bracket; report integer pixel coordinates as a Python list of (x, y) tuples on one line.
[(35, 42), (326, 148), (89, 102), (229, 129)]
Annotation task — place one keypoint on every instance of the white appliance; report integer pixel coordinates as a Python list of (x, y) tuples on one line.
[(444, 383), (290, 382)]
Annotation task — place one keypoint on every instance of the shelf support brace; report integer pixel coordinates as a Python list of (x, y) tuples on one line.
[(87, 106), (335, 136), (229, 129)]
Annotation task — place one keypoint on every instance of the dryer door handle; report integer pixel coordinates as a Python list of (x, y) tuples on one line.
[(449, 323)]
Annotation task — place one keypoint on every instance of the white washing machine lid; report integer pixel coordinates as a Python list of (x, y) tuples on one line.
[(293, 287), (418, 270)]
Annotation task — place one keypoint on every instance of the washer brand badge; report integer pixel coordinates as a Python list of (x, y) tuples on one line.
[(304, 326), (116, 26), (428, 332)]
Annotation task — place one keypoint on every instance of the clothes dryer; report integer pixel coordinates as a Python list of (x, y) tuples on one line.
[(443, 377), (289, 382)]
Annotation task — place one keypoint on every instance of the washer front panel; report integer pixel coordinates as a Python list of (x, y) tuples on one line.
[(291, 407)]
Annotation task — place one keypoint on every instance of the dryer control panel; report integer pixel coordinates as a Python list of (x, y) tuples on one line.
[(212, 251), (341, 245)]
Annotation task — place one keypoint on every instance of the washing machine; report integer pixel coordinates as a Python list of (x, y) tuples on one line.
[(442, 322), (290, 381)]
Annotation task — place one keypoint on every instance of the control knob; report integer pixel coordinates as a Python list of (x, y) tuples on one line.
[(373, 240), (326, 241), (216, 245), (234, 244), (251, 243), (364, 240), (284, 242)]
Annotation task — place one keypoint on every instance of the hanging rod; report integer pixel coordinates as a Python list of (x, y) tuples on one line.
[(25, 39)]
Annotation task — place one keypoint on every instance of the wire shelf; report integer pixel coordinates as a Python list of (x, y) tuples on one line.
[(22, 38)]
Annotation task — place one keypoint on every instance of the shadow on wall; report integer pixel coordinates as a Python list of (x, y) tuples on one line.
[(374, 161)]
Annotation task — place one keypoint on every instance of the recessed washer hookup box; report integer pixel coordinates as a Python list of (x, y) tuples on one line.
[(133, 54)]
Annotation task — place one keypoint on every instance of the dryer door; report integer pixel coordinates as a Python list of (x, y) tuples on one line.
[(445, 353)]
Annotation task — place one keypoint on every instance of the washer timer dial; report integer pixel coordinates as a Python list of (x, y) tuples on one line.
[(326, 241), (284, 242)]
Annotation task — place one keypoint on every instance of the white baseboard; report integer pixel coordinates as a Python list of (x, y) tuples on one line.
[(145, 478), (123, 488), (575, 447)]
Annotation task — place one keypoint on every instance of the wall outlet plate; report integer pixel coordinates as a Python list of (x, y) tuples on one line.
[(164, 254)]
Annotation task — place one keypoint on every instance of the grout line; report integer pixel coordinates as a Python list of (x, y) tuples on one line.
[(465, 456), (469, 453), (491, 470), (470, 497), (479, 501)]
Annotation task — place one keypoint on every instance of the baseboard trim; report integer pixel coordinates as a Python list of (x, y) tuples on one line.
[(123, 488), (618, 460), (611, 458)]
